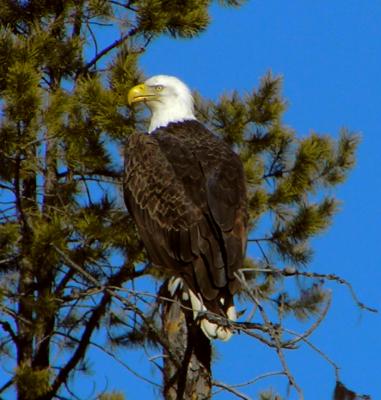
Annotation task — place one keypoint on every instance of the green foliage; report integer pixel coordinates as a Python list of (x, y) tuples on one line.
[(183, 18), (32, 383), (9, 235), (64, 120), (124, 73), (265, 105), (233, 3), (289, 182), (285, 173), (269, 395), (307, 304), (112, 396)]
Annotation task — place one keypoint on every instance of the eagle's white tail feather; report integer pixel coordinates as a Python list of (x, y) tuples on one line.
[(174, 284), (197, 306), (232, 313)]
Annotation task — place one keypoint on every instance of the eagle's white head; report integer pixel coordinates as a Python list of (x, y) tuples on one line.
[(169, 100)]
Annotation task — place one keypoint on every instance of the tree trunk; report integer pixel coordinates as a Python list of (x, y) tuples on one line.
[(187, 361), (25, 203)]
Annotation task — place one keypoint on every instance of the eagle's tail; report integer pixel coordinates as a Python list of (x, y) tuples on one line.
[(212, 328)]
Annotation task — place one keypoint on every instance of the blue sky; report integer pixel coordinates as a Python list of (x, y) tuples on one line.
[(329, 54)]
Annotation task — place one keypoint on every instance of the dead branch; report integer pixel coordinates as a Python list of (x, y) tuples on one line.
[(291, 271), (247, 383), (273, 334), (231, 390)]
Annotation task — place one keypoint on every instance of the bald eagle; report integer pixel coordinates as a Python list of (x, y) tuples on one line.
[(185, 189)]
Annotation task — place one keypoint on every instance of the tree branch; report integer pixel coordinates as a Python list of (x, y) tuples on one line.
[(273, 334), (107, 49), (231, 389), (7, 328), (91, 325), (117, 279), (291, 271), (7, 385)]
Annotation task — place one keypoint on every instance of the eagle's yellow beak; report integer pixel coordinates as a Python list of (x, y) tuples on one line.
[(141, 92)]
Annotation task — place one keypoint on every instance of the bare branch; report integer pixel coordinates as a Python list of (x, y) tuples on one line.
[(132, 371), (7, 385), (5, 187), (258, 378), (247, 383), (291, 271), (112, 293), (14, 315), (315, 325), (274, 335), (114, 357), (93, 321), (317, 350), (336, 278), (7, 328), (7, 260), (231, 390), (108, 48)]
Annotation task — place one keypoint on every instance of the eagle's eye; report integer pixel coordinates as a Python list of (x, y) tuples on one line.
[(159, 88)]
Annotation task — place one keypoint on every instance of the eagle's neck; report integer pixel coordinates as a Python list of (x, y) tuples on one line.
[(162, 116)]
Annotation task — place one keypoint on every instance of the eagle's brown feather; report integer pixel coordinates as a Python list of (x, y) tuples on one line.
[(186, 191)]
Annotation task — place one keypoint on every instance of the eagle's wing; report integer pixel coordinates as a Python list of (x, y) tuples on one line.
[(158, 202), (187, 196)]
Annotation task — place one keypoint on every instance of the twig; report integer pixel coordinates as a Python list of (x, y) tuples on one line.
[(117, 359), (116, 295), (7, 328), (336, 278), (317, 350), (314, 326), (7, 260), (287, 371), (290, 271), (274, 335), (258, 378), (253, 381), (231, 390), (5, 187), (75, 266), (7, 385), (127, 5), (110, 47), (14, 315), (260, 338), (93, 37)]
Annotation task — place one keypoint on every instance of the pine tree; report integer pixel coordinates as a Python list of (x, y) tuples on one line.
[(69, 252)]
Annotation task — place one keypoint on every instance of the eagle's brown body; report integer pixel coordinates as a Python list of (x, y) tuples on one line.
[(186, 191)]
